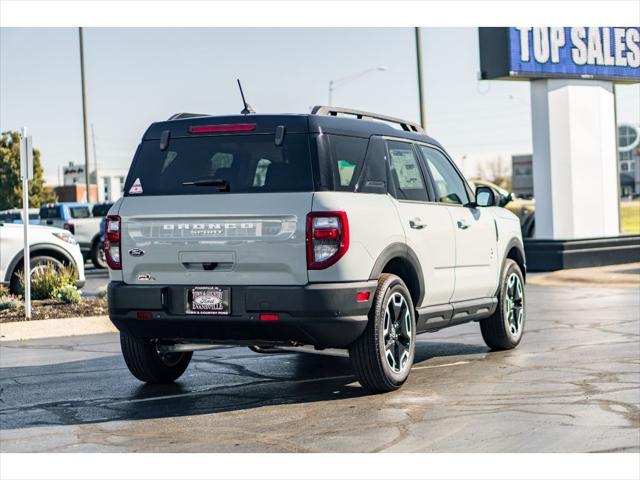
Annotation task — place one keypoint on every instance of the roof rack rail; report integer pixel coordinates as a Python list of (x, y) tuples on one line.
[(180, 116), (339, 111)]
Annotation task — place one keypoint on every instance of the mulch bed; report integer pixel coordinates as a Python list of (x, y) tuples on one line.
[(45, 309)]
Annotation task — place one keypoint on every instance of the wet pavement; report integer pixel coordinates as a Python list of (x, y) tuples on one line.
[(573, 385)]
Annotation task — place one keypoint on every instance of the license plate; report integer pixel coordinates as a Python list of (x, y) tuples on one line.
[(208, 301)]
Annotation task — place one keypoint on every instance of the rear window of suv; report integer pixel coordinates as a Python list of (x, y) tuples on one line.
[(248, 163)]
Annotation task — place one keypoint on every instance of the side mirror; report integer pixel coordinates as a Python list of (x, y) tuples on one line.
[(485, 196)]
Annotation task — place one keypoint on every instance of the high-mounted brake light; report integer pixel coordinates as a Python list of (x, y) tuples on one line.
[(327, 238), (237, 127), (112, 242)]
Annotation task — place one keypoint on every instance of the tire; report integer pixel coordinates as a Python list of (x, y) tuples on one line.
[(148, 365), (97, 256), (503, 330), (36, 261), (378, 369)]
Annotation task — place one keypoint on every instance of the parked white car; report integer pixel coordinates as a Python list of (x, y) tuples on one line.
[(47, 246)]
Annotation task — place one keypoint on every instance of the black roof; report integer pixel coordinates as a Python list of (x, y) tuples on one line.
[(294, 123)]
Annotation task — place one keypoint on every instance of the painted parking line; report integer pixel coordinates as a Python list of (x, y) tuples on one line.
[(461, 362)]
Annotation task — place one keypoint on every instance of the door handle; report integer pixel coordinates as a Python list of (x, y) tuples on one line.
[(417, 224), (462, 224)]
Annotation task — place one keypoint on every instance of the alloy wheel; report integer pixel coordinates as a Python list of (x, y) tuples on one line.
[(514, 304), (397, 332)]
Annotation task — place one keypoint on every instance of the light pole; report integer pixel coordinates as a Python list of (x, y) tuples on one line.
[(333, 84), (423, 116), (84, 114)]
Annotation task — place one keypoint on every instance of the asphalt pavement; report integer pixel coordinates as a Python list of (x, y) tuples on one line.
[(96, 279), (573, 385)]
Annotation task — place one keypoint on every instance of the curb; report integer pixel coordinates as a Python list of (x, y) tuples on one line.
[(58, 327)]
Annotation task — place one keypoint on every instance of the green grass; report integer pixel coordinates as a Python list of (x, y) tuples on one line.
[(630, 217)]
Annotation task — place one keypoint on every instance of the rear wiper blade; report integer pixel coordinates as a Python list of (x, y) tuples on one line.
[(221, 185)]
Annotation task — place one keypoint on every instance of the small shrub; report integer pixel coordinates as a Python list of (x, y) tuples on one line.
[(4, 291), (47, 280), (69, 294), (9, 301)]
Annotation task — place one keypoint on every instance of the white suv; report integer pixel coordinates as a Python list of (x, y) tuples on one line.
[(332, 229), (48, 246)]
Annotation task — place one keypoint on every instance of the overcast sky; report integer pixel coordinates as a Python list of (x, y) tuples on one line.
[(140, 75)]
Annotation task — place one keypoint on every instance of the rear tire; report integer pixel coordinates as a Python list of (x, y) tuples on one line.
[(503, 330), (97, 256), (383, 355), (148, 365)]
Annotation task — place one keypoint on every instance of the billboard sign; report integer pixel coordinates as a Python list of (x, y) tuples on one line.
[(605, 53)]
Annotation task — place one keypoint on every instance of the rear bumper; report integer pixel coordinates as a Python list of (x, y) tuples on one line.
[(323, 314)]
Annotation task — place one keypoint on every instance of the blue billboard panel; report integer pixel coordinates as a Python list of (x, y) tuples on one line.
[(611, 53)]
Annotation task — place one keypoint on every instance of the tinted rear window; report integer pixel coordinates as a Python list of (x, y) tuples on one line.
[(248, 163), (50, 212), (79, 212)]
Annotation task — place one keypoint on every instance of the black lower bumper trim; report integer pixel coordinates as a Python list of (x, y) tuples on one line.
[(326, 315)]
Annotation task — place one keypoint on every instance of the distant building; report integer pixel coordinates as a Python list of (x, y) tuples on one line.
[(73, 174), (110, 183), (629, 157), (75, 193), (522, 175)]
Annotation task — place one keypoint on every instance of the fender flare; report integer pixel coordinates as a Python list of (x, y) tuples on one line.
[(34, 249), (517, 244), (400, 250)]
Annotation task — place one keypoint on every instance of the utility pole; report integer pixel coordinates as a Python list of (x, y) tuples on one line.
[(423, 117), (95, 163), (84, 115)]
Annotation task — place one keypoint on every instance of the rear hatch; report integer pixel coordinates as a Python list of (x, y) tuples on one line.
[(224, 205)]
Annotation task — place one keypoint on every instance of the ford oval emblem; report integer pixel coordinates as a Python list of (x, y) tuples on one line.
[(136, 252)]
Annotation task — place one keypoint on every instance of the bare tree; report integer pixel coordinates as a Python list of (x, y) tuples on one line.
[(496, 171)]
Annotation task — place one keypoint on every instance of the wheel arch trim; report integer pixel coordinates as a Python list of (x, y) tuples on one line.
[(33, 249), (404, 252)]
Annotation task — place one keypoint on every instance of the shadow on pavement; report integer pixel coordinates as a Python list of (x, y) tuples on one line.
[(228, 379)]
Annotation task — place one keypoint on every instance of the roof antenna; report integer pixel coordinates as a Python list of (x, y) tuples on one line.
[(247, 108)]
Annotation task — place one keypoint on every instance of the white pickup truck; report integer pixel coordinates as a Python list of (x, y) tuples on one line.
[(83, 221)]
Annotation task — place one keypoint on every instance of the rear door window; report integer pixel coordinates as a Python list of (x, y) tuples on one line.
[(405, 172), (247, 163)]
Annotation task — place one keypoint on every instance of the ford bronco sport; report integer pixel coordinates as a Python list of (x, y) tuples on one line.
[(335, 229)]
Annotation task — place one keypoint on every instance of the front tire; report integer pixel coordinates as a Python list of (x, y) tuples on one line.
[(148, 365), (37, 262), (503, 330), (383, 355)]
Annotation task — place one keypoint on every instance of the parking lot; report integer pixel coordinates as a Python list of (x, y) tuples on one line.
[(573, 385)]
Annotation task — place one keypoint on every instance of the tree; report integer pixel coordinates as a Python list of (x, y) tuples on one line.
[(10, 183), (496, 171)]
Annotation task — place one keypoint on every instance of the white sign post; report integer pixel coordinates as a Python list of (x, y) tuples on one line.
[(26, 172)]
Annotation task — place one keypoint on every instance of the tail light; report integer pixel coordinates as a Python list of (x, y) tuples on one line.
[(327, 238), (70, 226), (112, 242)]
